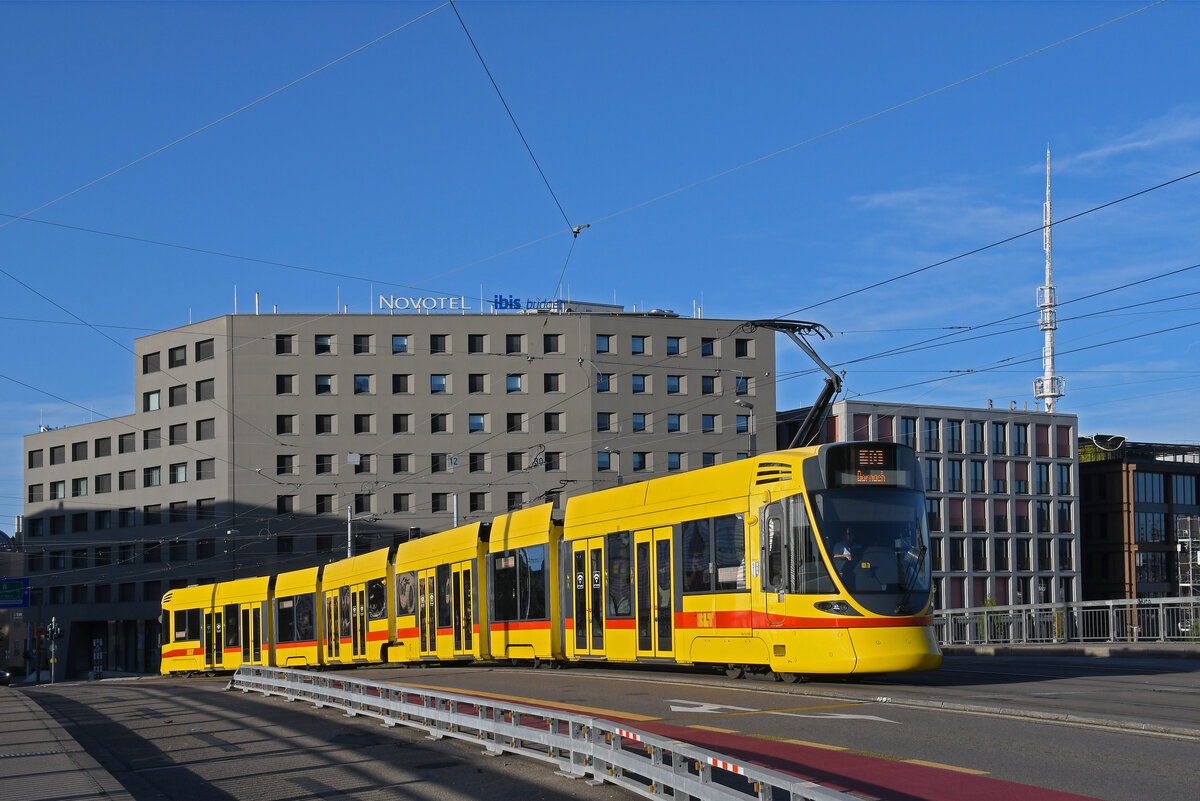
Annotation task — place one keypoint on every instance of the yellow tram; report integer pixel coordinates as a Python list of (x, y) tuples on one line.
[(800, 562)]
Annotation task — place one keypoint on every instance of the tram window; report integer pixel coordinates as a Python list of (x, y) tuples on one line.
[(697, 562), (714, 554), (305, 620), (406, 594), (231, 626), (444, 590), (620, 576), (774, 577), (285, 619), (376, 599), (346, 610), (519, 584), (187, 624), (504, 585), (730, 548), (294, 618), (807, 573)]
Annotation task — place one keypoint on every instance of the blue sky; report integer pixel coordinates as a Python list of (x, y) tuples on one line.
[(753, 159)]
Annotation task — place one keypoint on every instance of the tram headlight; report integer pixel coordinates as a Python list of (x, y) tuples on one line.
[(837, 608)]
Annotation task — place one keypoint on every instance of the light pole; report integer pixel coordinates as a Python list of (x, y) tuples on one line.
[(350, 518), (617, 454), (749, 425)]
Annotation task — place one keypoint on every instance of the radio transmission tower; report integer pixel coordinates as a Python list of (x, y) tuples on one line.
[(1050, 386)]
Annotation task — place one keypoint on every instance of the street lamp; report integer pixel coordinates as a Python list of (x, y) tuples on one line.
[(749, 425), (616, 453)]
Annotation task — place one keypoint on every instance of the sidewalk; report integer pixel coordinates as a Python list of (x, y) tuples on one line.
[(39, 761), (1116, 650)]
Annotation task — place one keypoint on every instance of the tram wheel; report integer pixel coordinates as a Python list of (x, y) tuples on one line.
[(790, 678), (735, 671)]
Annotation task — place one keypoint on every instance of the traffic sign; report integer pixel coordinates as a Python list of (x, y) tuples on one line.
[(14, 593)]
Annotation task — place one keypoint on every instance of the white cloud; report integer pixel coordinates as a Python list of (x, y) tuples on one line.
[(1178, 126)]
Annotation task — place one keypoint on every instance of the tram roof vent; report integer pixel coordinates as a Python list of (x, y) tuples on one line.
[(772, 472)]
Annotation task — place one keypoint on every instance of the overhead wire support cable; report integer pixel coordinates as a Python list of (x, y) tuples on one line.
[(512, 117)]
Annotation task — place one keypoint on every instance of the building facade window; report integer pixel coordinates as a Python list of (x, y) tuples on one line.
[(975, 438), (978, 476), (933, 475), (932, 438), (954, 432)]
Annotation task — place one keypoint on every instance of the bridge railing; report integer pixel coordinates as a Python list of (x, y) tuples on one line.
[(1141, 620), (589, 748)]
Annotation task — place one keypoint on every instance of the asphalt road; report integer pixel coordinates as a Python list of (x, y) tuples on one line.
[(1113, 729), (190, 740)]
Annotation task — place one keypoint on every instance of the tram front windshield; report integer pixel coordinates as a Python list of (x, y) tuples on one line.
[(878, 544)]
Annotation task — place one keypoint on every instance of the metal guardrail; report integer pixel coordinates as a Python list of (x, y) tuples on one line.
[(584, 747), (1142, 620)]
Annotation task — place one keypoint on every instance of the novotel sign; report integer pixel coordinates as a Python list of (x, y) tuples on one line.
[(394, 303), (428, 303)]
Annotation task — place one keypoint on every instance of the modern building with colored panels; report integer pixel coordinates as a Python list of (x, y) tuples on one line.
[(1001, 495), (1140, 509), (267, 443)]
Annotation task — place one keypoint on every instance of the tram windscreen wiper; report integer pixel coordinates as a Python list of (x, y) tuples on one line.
[(917, 569)]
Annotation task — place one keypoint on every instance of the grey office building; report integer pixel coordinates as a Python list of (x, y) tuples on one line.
[(1001, 495), (262, 443)]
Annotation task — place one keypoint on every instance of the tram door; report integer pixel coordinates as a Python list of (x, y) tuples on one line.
[(358, 621), (655, 592), (333, 625), (426, 604), (463, 612), (252, 634), (587, 562), (213, 645)]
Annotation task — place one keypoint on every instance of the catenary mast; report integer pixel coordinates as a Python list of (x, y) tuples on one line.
[(1050, 386)]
